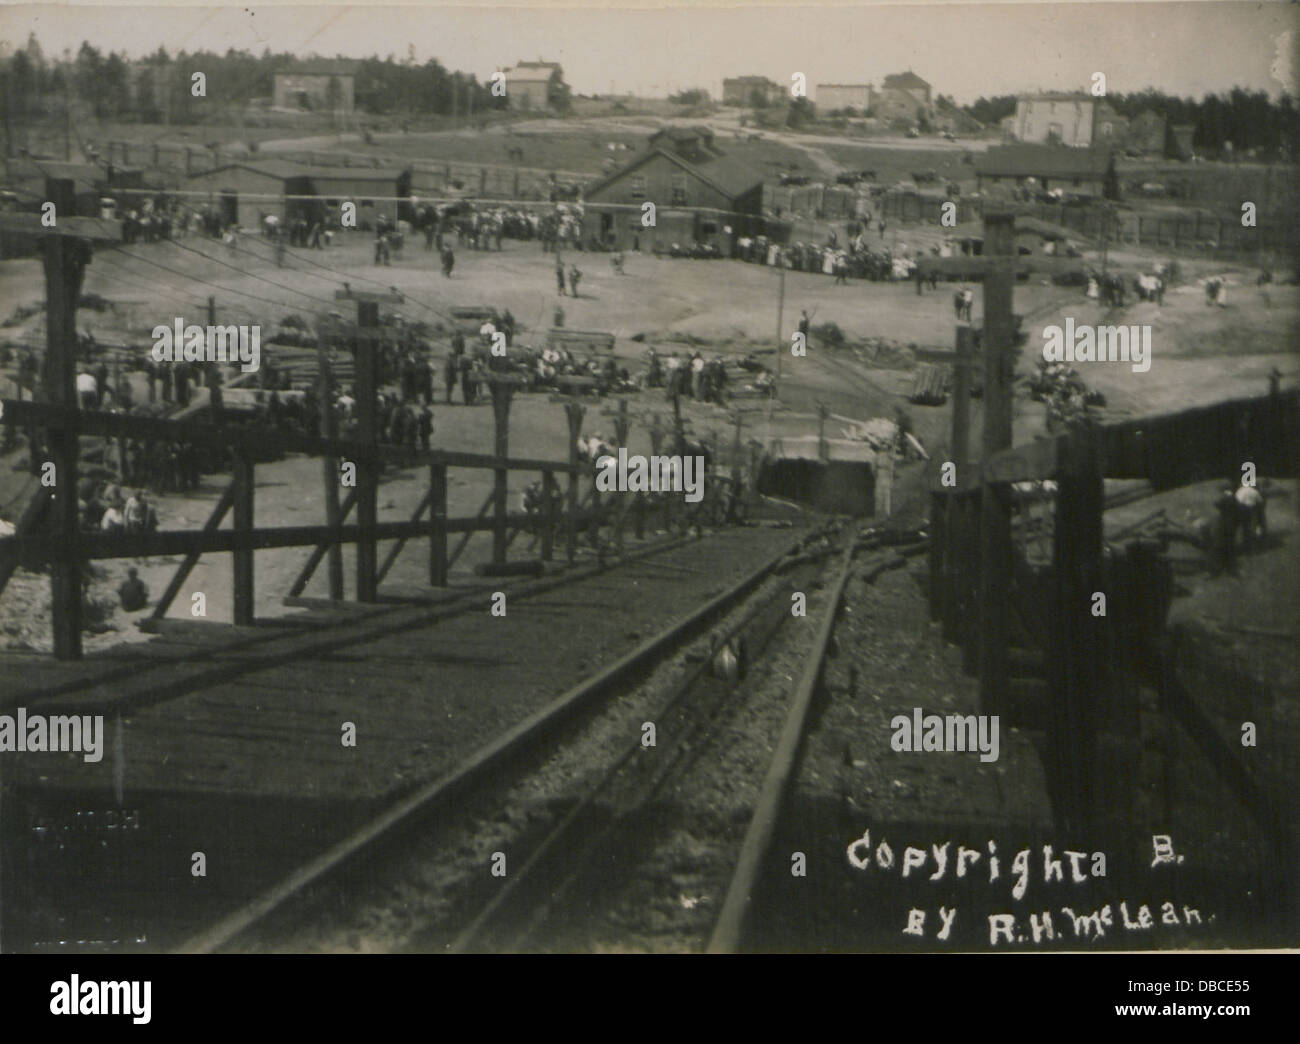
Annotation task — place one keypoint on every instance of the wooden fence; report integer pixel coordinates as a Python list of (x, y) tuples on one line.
[(1046, 630)]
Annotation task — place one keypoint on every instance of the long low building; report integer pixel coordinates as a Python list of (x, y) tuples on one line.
[(1089, 172), (241, 190)]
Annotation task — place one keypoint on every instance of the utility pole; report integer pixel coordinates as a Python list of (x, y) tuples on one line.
[(995, 515), (780, 345), (329, 464), (66, 254), (366, 381)]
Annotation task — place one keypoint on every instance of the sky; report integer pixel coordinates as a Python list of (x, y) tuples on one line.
[(962, 49)]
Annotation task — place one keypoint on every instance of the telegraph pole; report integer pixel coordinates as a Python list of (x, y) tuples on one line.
[(780, 320)]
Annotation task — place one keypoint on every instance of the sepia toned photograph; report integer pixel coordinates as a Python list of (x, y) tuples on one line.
[(777, 478)]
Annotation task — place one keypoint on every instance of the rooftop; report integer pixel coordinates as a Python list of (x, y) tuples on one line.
[(907, 79), (1049, 161), (284, 169)]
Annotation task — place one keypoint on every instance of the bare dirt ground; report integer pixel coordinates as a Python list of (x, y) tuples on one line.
[(1200, 354)]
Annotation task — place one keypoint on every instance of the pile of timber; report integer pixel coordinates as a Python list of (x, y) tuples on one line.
[(469, 318), (930, 386), (580, 342)]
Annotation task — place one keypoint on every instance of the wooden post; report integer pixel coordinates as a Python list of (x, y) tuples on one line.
[(366, 382), (438, 524), (65, 265), (622, 422), (995, 515), (330, 465), (1074, 656), (242, 491), (938, 539), (548, 516), (574, 411), (502, 393), (367, 391), (961, 400)]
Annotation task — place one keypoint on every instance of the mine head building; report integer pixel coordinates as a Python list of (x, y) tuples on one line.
[(680, 167)]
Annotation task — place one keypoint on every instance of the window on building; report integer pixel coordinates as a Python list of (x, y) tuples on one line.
[(636, 187), (679, 189)]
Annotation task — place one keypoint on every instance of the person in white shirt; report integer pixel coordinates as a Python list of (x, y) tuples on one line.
[(112, 522), (1250, 511), (87, 390)]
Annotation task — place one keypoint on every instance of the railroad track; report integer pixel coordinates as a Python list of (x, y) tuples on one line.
[(574, 844), (488, 766)]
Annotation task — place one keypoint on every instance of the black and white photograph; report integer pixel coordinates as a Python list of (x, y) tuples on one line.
[(539, 479)]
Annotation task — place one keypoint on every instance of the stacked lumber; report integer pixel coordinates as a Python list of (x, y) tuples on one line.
[(930, 386), (580, 342)]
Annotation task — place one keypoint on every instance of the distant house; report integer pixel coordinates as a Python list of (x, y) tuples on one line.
[(832, 96), (901, 96), (246, 191), (322, 86), (1075, 119), (1088, 172), (751, 91), (680, 167), (533, 85), (1147, 132)]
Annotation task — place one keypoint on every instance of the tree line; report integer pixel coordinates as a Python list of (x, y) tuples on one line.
[(157, 88), (1229, 122)]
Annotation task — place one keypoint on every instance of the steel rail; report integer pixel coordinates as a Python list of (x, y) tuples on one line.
[(479, 765)]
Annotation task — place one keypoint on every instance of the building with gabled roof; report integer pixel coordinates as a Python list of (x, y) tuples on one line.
[(901, 96), (533, 85), (681, 168)]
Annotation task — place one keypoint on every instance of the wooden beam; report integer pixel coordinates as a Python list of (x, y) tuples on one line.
[(256, 438), (333, 521), (242, 495), (67, 225), (224, 504), (44, 546)]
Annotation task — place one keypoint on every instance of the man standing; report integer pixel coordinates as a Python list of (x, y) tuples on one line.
[(426, 426), (575, 276), (1250, 512), (132, 591), (559, 275)]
